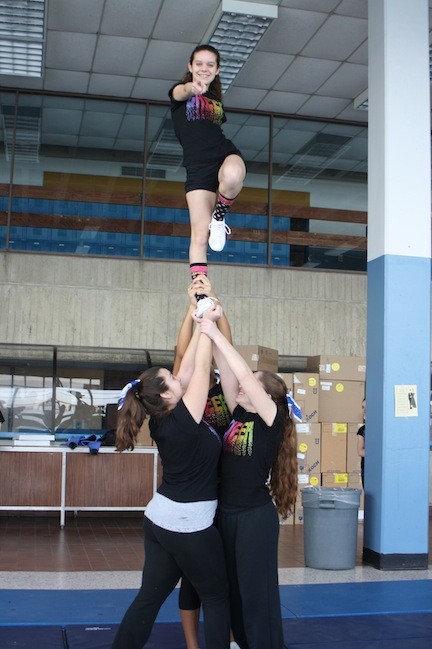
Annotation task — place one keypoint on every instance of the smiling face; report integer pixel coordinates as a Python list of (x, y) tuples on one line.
[(174, 391), (204, 67)]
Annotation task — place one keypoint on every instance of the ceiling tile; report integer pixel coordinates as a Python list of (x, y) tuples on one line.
[(15, 81), (110, 55), (348, 81), (188, 23), (110, 85), (351, 114), (311, 5), (132, 18), (96, 142), (77, 16), (100, 124), (243, 97), (356, 8), (132, 127), (153, 89), (164, 60), (57, 120), (69, 81), (263, 69), (282, 102), (327, 107), (360, 56), (337, 39), (59, 139), (69, 51), (291, 31), (306, 75)]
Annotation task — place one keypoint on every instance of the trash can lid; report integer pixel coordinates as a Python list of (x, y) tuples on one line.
[(338, 495)]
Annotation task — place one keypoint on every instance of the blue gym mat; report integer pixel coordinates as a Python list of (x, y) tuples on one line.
[(364, 615)]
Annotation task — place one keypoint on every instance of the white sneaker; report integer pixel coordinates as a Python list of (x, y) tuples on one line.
[(218, 234)]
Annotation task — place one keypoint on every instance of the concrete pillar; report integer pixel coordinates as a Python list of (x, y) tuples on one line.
[(399, 283)]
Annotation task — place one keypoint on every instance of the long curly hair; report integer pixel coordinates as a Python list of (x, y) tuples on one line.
[(283, 477), (215, 88), (144, 400)]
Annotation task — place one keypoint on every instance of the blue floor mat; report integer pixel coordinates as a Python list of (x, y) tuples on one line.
[(40, 637)]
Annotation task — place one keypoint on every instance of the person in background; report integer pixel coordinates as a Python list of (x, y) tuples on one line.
[(217, 415), (361, 441), (258, 481), (179, 532), (215, 170)]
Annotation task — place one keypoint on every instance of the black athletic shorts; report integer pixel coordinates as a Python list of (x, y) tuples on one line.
[(205, 175)]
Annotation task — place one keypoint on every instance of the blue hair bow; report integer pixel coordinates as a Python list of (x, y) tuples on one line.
[(293, 408), (124, 392)]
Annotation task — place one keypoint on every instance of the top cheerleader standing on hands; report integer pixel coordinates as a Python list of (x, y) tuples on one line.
[(215, 169)]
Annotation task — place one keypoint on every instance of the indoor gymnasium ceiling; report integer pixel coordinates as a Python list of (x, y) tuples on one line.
[(312, 61)]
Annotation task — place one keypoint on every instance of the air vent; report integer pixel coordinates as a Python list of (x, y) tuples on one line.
[(137, 172)]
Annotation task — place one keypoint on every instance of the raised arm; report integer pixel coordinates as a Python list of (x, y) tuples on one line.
[(183, 91), (251, 386), (184, 369), (195, 397)]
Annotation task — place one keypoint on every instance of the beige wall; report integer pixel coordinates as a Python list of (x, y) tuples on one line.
[(139, 304)]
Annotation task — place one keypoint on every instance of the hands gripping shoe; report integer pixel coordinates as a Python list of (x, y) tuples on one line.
[(218, 234), (203, 305)]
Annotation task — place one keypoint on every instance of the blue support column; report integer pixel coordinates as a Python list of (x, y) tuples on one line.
[(399, 285)]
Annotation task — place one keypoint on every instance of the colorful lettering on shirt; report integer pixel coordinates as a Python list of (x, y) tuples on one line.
[(216, 412), (238, 439), (202, 108)]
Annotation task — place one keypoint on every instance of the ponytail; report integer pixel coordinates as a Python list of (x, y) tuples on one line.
[(141, 398)]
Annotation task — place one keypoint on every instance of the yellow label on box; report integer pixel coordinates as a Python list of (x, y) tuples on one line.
[(314, 481), (341, 478), (335, 367), (339, 387), (340, 428), (303, 447), (312, 382)]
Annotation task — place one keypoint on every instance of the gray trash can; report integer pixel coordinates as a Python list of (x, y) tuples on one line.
[(330, 524)]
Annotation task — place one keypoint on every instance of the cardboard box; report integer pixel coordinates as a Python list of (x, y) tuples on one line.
[(334, 447), (306, 394), (260, 358), (143, 438), (353, 458), (308, 448), (287, 377), (341, 401), (289, 520), (343, 368)]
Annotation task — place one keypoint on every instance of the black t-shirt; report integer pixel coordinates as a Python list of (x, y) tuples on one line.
[(249, 450), (216, 412), (197, 125), (189, 453), (361, 431)]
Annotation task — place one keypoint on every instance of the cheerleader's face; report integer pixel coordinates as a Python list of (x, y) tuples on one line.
[(204, 67)]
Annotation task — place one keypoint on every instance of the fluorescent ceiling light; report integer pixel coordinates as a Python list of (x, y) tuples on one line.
[(361, 102), (22, 37), (27, 133), (235, 32), (314, 157)]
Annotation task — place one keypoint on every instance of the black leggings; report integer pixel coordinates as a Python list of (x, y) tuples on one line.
[(250, 537), (199, 555)]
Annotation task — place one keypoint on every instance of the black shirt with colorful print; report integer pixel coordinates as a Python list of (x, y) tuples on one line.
[(249, 450), (189, 454), (197, 125)]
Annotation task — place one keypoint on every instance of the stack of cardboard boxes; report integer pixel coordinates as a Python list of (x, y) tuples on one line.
[(330, 394)]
